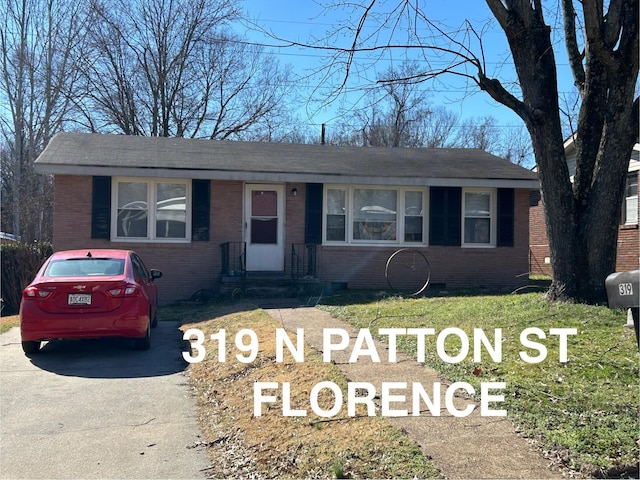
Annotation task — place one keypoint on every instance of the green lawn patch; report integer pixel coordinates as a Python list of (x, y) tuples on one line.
[(585, 410)]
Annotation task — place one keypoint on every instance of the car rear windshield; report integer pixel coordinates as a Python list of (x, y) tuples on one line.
[(85, 267)]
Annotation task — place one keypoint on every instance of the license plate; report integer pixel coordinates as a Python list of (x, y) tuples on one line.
[(79, 299)]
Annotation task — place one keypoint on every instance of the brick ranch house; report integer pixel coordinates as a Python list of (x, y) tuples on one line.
[(205, 212), (628, 253)]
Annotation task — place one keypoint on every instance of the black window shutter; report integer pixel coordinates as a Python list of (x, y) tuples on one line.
[(200, 211), (101, 208), (454, 216), (506, 202), (313, 213), (445, 204), (534, 198), (437, 217)]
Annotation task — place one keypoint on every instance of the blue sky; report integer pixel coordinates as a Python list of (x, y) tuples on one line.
[(306, 20)]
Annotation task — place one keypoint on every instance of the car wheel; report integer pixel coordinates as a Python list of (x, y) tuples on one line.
[(154, 322), (144, 343), (31, 347)]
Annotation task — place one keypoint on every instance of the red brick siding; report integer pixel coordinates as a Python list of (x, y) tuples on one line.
[(628, 254), (628, 248), (188, 268), (538, 242), (226, 217), (295, 211)]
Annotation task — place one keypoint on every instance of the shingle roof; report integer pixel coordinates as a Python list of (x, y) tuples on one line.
[(98, 154)]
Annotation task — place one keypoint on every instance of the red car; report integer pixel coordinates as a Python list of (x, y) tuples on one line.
[(90, 293)]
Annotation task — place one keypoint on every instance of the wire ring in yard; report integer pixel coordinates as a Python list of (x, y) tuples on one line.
[(408, 269)]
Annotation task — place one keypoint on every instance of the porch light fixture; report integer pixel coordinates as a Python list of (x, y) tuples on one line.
[(294, 191)]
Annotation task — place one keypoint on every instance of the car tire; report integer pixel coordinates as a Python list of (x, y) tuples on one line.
[(31, 347), (144, 343), (154, 322)]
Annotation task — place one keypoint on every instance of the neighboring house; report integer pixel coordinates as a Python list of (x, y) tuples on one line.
[(628, 255), (206, 211)]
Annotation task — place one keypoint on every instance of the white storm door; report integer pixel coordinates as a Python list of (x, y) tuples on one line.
[(264, 227)]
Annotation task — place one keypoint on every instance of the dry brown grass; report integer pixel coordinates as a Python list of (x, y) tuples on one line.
[(272, 445), (7, 323)]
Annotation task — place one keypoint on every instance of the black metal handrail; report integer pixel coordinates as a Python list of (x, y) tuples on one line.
[(303, 260), (234, 259)]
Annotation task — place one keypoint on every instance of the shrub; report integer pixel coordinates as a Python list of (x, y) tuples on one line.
[(20, 263)]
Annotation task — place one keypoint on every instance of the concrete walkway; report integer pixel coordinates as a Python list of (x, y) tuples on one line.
[(461, 447)]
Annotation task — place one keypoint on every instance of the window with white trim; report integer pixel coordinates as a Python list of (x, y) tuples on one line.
[(479, 213), (413, 216), (630, 206), (374, 215), (151, 210), (336, 208)]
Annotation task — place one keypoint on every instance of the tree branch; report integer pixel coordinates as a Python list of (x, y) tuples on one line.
[(635, 113), (594, 32), (573, 50), (612, 23), (499, 11), (494, 88)]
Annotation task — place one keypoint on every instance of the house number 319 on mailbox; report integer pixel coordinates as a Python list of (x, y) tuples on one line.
[(625, 289)]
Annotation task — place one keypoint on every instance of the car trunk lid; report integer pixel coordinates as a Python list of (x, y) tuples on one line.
[(78, 295)]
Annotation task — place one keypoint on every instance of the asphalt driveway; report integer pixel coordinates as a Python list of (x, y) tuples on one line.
[(98, 409)]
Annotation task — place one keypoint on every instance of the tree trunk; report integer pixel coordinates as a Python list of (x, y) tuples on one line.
[(535, 65), (581, 218), (599, 208)]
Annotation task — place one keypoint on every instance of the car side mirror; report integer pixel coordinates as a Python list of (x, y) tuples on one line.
[(155, 274)]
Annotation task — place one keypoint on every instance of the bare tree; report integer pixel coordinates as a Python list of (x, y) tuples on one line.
[(479, 133), (582, 217), (515, 145), (252, 94), (601, 39), (41, 43), (436, 130), (398, 114), (172, 68), (401, 125)]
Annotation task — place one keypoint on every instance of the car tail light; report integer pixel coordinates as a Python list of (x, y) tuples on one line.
[(124, 291), (131, 290), (35, 292)]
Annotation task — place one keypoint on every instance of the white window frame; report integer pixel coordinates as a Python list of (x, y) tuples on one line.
[(493, 218), (630, 204), (424, 215), (325, 213), (151, 212), (349, 191)]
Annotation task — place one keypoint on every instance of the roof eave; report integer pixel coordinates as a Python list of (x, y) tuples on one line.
[(279, 177)]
